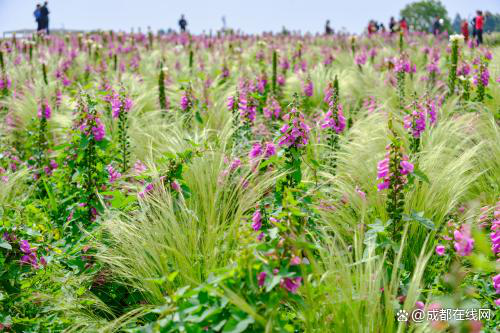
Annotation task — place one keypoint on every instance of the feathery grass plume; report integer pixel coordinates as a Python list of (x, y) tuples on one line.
[(355, 292), (452, 75), (191, 236)]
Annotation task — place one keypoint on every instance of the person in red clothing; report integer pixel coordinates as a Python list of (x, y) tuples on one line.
[(479, 27), (465, 30), (403, 25)]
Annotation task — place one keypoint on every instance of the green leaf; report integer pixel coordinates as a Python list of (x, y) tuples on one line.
[(420, 175), (5, 245), (419, 217), (237, 326)]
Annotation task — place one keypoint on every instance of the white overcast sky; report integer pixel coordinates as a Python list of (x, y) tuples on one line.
[(251, 16)]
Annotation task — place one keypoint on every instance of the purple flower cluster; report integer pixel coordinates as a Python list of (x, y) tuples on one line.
[(334, 119), (268, 150), (433, 68), (29, 255), (370, 104), (185, 102), (360, 59), (257, 220), (120, 104), (308, 88), (44, 111), (415, 123), (272, 108), (48, 169), (247, 107), (5, 82), (99, 130), (495, 228), (384, 174), (113, 174), (296, 132), (403, 65), (463, 241)]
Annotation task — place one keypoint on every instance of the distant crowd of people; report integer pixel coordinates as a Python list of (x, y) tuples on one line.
[(42, 19), (476, 27)]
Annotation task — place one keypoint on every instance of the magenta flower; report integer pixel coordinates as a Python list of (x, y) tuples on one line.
[(235, 164), (308, 88), (360, 59), (433, 68), (334, 119), (261, 278), (296, 132), (230, 103), (25, 246), (463, 242), (175, 186), (496, 283), (99, 131), (440, 250), (295, 261), (257, 220), (415, 123), (383, 168), (256, 151), (44, 111), (270, 150), (139, 167), (185, 103), (272, 109), (406, 167), (113, 174), (291, 284)]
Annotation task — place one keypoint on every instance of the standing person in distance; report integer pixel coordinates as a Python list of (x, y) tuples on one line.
[(45, 17), (479, 27), (38, 17), (436, 28), (328, 29), (392, 25), (403, 25), (183, 23), (465, 30)]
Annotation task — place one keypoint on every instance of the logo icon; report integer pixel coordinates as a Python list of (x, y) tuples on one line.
[(402, 315)]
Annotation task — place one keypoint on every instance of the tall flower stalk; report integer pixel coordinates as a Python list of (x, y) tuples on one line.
[(452, 75), (121, 105), (294, 136), (393, 171), (481, 79), (275, 70), (334, 120), (161, 88)]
